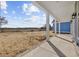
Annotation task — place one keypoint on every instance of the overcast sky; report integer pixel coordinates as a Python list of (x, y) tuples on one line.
[(22, 14)]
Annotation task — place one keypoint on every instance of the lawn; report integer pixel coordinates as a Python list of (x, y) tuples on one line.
[(13, 43)]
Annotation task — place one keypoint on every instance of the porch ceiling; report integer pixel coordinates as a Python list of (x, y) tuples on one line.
[(61, 10)]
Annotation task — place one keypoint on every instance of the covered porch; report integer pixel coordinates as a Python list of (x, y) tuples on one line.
[(60, 45)]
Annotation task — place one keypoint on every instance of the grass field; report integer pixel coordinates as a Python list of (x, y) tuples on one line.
[(13, 43)]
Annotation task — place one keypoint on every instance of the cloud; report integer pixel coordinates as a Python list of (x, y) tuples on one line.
[(28, 9), (27, 13), (5, 12), (13, 12), (33, 9), (3, 5), (24, 7), (15, 17), (44, 15), (34, 18), (18, 6)]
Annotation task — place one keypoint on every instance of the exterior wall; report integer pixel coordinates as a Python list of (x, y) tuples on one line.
[(64, 27)]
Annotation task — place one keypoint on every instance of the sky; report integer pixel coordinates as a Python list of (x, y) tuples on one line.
[(22, 14)]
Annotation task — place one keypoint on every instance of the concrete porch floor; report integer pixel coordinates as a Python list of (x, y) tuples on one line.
[(55, 47), (66, 37)]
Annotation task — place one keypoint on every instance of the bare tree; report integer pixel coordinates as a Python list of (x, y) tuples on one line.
[(2, 22)]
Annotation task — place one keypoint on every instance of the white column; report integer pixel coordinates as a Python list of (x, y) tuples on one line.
[(73, 28), (76, 23), (55, 27), (59, 27), (77, 19), (47, 26)]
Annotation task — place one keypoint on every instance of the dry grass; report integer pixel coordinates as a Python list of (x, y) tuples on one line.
[(13, 43)]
